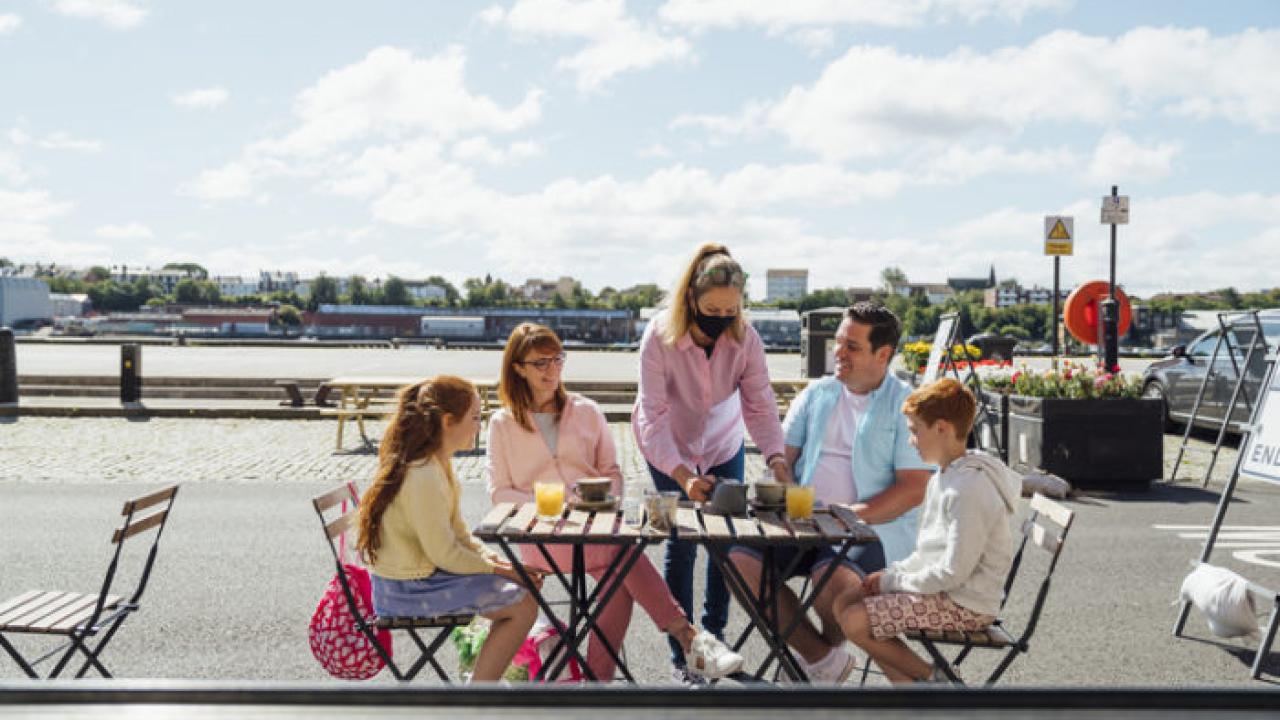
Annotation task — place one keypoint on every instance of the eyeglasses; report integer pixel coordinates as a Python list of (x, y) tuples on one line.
[(544, 363)]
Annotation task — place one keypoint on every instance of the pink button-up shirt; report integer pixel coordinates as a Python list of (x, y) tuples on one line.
[(691, 409)]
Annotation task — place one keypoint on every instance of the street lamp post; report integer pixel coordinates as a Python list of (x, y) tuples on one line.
[(1109, 327)]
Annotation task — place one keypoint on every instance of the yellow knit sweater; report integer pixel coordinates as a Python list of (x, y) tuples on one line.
[(422, 529)]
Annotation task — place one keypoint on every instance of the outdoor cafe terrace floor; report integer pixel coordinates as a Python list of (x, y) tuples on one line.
[(242, 564)]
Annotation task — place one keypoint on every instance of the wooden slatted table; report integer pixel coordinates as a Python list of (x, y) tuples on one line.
[(836, 526), (508, 525)]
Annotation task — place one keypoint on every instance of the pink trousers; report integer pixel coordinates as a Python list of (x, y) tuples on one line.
[(643, 584)]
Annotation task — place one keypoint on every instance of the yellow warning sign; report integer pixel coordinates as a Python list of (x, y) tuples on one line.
[(1058, 233)]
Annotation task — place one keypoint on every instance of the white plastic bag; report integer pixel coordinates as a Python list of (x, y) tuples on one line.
[(1223, 598)]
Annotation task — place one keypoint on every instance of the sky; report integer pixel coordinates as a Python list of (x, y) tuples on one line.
[(606, 140)]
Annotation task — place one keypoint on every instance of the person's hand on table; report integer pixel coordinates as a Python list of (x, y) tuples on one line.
[(508, 571), (871, 584), (780, 470), (699, 487)]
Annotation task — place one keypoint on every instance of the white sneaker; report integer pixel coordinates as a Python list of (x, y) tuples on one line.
[(833, 669), (711, 658)]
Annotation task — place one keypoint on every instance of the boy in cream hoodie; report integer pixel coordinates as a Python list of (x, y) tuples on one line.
[(955, 578)]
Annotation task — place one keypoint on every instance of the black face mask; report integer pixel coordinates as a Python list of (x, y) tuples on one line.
[(713, 326)]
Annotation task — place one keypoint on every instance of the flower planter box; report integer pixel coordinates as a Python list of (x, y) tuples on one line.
[(1100, 443)]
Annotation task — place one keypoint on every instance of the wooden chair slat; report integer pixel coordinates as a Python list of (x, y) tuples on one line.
[(341, 525), (602, 524), (78, 605), (830, 528), (139, 526), (518, 524), (51, 606), (71, 622), (1056, 512), (146, 501), (495, 516), (717, 526), (1042, 537), (772, 525), (14, 602), (33, 601), (630, 531), (332, 497), (687, 525)]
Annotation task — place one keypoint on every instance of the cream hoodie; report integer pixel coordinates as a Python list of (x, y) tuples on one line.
[(965, 546)]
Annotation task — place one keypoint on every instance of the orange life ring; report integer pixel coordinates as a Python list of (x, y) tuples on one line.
[(1083, 311)]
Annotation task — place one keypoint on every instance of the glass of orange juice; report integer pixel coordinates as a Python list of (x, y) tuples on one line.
[(550, 498), (800, 502)]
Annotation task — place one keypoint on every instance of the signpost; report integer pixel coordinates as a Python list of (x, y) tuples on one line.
[(1115, 211), (1059, 240)]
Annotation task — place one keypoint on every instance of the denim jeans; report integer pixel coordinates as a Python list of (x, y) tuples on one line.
[(681, 556)]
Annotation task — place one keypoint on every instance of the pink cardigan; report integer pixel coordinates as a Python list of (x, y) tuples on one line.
[(518, 458), (690, 410)]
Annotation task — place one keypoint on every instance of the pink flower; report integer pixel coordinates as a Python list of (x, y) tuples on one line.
[(1115, 368), (1015, 377)]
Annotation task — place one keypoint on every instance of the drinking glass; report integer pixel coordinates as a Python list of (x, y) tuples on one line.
[(799, 501), (550, 499)]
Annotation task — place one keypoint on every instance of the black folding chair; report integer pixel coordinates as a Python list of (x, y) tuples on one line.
[(1046, 529), (81, 617), (345, 495)]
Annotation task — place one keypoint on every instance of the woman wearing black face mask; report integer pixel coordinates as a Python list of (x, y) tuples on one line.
[(702, 377)]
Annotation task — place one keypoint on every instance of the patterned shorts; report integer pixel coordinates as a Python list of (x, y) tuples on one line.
[(892, 614)]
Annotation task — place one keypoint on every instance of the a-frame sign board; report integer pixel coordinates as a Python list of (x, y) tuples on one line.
[(941, 361), (1259, 458)]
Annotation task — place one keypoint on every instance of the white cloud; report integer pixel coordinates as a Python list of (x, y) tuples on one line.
[(779, 16), (63, 141), (876, 100), (25, 231), (390, 95), (115, 14), (130, 231), (11, 170), (18, 136), (959, 163), (9, 22), (201, 99), (616, 42), (1119, 158), (814, 40)]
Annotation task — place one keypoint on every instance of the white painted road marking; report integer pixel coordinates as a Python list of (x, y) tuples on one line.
[(1258, 544)]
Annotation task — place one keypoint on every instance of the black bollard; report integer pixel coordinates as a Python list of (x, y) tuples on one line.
[(8, 367), (130, 373)]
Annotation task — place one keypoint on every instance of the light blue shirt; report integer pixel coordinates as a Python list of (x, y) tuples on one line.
[(881, 447)]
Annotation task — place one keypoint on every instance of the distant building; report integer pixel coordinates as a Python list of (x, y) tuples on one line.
[(543, 290), (1010, 295), (596, 326), (230, 321), (270, 281), (783, 284), (962, 284), (69, 305), (166, 280), (234, 286), (933, 293), (24, 300), (422, 290)]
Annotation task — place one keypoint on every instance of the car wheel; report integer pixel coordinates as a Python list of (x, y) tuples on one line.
[(1155, 391)]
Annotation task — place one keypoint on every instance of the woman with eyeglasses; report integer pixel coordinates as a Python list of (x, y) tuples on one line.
[(544, 432), (702, 376)]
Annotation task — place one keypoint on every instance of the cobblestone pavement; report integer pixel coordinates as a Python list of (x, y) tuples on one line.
[(118, 450)]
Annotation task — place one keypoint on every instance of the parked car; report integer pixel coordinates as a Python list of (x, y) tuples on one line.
[(1177, 379)]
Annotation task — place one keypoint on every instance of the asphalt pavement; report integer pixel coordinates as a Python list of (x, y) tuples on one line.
[(243, 562)]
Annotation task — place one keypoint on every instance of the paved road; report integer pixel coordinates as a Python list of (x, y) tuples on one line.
[(274, 362), (243, 563)]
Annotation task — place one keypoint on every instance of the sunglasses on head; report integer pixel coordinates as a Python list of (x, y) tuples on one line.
[(722, 275)]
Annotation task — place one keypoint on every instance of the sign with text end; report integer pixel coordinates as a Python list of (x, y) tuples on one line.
[(1115, 210), (1059, 233), (1262, 457)]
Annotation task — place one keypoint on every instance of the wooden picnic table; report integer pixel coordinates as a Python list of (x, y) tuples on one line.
[(510, 524), (373, 396)]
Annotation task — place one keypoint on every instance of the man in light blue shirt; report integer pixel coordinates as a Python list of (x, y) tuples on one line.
[(847, 437)]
